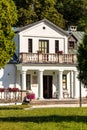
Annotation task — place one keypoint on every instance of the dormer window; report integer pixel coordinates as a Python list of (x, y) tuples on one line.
[(71, 45)]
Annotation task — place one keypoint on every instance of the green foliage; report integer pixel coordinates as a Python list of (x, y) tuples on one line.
[(49, 12), (26, 13), (82, 61), (72, 10), (35, 10), (61, 12), (8, 17), (82, 24)]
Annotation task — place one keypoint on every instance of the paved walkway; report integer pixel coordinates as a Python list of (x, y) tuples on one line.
[(55, 106), (7, 104), (45, 106)]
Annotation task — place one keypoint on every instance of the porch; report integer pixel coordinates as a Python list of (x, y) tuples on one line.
[(48, 58), (47, 84)]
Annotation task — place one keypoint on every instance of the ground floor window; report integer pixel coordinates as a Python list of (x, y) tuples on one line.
[(28, 82), (64, 81)]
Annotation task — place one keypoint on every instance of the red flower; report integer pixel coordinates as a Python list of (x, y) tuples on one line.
[(9, 89), (30, 96), (2, 89), (13, 89)]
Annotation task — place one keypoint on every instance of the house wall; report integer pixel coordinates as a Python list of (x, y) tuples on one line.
[(8, 79)]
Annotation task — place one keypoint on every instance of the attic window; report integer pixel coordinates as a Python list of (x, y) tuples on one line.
[(71, 44), (44, 27)]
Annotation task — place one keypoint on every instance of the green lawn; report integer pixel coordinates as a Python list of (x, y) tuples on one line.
[(16, 118)]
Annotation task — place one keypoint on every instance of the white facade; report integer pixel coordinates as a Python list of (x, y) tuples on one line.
[(37, 33), (8, 76), (45, 79)]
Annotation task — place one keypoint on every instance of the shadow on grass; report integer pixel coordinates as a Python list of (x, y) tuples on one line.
[(42, 119)]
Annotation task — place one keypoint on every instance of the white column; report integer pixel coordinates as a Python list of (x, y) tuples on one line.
[(71, 84), (23, 80), (74, 83), (40, 83), (60, 85)]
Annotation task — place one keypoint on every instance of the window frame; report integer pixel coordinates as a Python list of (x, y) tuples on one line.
[(64, 81), (44, 46), (71, 45), (56, 46), (29, 45)]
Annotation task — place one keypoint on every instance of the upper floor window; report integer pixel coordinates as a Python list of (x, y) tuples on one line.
[(29, 45), (44, 46), (71, 45), (56, 46)]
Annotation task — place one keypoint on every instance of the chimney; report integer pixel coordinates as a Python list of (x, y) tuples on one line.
[(72, 28)]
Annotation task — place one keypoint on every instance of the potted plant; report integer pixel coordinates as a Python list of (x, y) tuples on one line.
[(39, 51), (60, 52)]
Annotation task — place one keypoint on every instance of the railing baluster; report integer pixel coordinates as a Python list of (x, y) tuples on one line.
[(47, 58)]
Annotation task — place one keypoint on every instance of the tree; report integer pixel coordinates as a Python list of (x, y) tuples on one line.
[(82, 24), (30, 11), (8, 17), (72, 10), (26, 12), (82, 61), (49, 12)]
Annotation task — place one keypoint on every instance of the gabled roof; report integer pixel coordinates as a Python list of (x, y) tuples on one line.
[(78, 35), (35, 23)]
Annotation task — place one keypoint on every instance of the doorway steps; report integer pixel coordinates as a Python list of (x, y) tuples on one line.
[(57, 101)]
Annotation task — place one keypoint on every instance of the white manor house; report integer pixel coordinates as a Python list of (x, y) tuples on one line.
[(45, 61)]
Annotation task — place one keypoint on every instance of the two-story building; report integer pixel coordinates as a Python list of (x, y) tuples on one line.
[(45, 61)]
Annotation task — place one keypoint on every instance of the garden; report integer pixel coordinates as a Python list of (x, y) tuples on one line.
[(18, 118)]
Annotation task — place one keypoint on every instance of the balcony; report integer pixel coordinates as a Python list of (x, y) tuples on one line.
[(48, 58)]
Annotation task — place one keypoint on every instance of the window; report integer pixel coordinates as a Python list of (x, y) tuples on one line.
[(28, 82), (29, 45), (56, 46), (44, 46), (71, 44), (64, 81)]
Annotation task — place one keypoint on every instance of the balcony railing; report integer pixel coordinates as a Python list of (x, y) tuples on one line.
[(47, 58)]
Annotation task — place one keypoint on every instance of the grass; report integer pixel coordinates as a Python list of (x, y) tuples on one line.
[(16, 118)]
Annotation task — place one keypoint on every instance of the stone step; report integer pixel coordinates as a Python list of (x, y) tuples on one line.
[(57, 101)]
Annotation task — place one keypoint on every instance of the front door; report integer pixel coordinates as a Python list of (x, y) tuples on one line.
[(47, 86)]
